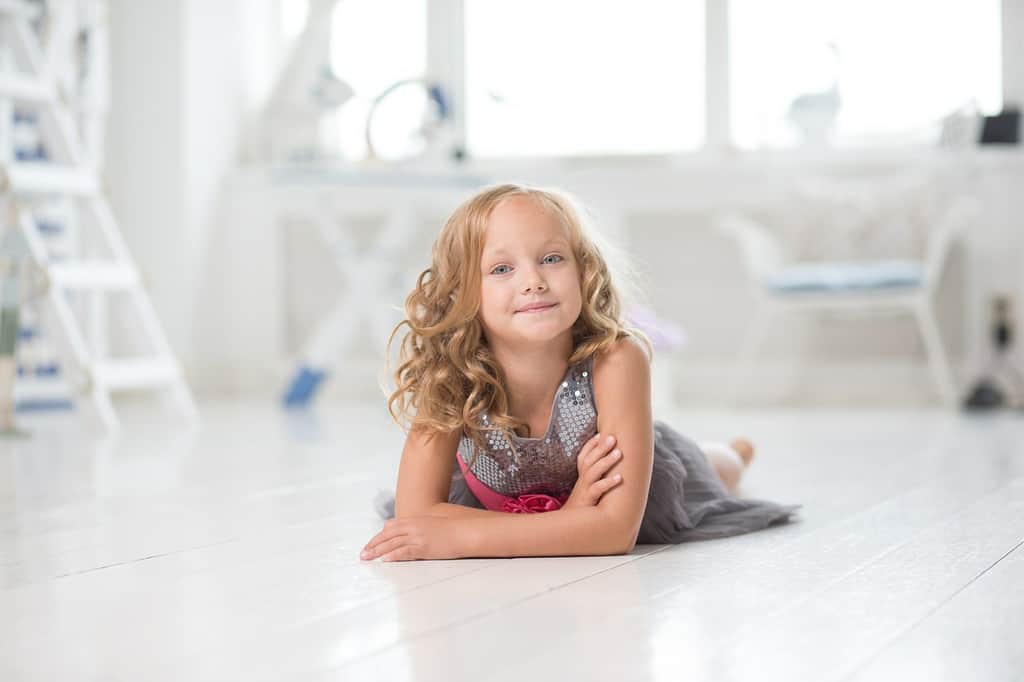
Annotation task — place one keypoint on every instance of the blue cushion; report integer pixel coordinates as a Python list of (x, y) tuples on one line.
[(847, 276)]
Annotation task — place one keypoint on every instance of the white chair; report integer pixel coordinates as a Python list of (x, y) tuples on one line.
[(859, 287)]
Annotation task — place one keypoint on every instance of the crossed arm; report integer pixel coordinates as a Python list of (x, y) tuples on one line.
[(425, 528)]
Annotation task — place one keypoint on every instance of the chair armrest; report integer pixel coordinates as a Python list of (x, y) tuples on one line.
[(961, 214)]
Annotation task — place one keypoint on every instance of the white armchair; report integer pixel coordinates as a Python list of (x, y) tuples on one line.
[(856, 286)]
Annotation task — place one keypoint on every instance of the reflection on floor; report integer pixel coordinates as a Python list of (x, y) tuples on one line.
[(231, 553)]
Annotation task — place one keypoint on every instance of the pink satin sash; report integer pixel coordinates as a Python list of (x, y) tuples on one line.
[(533, 503)]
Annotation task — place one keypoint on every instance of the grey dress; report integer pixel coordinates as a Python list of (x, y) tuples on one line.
[(687, 500)]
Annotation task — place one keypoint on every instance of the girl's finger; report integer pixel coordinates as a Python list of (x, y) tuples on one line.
[(605, 484), (607, 462), (377, 539), (585, 450), (383, 536), (385, 547), (400, 554), (599, 449), (602, 466)]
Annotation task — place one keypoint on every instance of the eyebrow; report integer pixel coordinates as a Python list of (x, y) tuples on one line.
[(502, 252)]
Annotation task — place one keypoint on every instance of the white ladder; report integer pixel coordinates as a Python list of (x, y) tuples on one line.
[(29, 79)]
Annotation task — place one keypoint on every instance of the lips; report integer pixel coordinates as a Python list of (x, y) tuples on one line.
[(535, 307)]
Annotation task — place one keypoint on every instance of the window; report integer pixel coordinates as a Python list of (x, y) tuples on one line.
[(374, 44), (584, 78), (877, 71), (606, 77)]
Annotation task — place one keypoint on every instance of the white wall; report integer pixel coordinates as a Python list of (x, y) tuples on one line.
[(1013, 52), (187, 80), (147, 161)]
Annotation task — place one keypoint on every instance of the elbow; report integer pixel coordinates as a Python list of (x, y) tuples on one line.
[(623, 539), (628, 531), (625, 542), (620, 549), (632, 536), (628, 547)]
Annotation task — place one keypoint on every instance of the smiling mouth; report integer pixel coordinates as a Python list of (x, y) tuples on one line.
[(537, 310)]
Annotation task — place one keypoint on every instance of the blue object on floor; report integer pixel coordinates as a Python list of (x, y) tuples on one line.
[(303, 386), (848, 276)]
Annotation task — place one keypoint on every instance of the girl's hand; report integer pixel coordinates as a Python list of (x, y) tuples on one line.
[(593, 462), (414, 537)]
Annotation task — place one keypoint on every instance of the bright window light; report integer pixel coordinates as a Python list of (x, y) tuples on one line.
[(375, 43), (578, 78), (886, 71), (293, 18)]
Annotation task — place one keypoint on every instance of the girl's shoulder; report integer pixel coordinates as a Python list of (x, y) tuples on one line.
[(624, 355), (622, 387)]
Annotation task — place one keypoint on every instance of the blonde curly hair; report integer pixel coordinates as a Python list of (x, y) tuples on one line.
[(448, 376)]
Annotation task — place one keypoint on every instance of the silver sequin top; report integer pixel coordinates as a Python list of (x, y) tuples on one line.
[(546, 464)]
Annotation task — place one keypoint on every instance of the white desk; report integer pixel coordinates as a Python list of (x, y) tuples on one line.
[(262, 202), (628, 198)]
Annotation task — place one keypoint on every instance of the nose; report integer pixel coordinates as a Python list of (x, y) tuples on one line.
[(534, 283)]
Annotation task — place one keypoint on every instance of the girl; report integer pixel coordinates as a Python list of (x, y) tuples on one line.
[(518, 367)]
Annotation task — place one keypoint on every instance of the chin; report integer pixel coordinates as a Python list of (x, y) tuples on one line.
[(545, 334)]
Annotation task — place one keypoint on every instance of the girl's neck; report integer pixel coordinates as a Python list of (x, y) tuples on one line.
[(532, 375)]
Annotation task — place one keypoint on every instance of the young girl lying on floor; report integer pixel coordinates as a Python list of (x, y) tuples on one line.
[(517, 365)]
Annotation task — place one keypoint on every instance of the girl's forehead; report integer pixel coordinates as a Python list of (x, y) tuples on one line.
[(521, 220)]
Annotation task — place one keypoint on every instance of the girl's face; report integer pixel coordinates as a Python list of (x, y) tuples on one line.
[(526, 261)]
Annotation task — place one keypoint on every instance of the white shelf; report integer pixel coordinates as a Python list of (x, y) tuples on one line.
[(23, 88), (127, 374), (110, 276), (37, 177)]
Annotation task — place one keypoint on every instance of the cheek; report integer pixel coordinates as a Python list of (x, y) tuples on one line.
[(491, 298), (577, 304), (572, 285)]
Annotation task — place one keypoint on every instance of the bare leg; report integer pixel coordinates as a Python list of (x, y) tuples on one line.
[(744, 448), (729, 461)]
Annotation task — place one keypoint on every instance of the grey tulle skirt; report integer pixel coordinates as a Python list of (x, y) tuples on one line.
[(687, 499)]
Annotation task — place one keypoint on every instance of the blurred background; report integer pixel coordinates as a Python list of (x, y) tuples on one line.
[(821, 200)]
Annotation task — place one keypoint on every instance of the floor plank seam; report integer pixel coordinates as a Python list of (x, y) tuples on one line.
[(807, 597), (860, 665), (141, 559)]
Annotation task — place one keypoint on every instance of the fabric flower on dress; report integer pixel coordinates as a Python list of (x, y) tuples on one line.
[(532, 504)]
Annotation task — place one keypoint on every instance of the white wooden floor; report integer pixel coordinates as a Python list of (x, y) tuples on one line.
[(232, 554)]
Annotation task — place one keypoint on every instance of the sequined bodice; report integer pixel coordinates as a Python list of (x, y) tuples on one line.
[(546, 464)]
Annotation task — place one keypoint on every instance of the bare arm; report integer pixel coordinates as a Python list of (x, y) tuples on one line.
[(461, 511), (577, 531), (464, 532), (425, 472), (622, 395), (622, 392), (439, 530)]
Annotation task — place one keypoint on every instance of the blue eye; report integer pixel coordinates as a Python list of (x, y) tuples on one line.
[(496, 270)]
